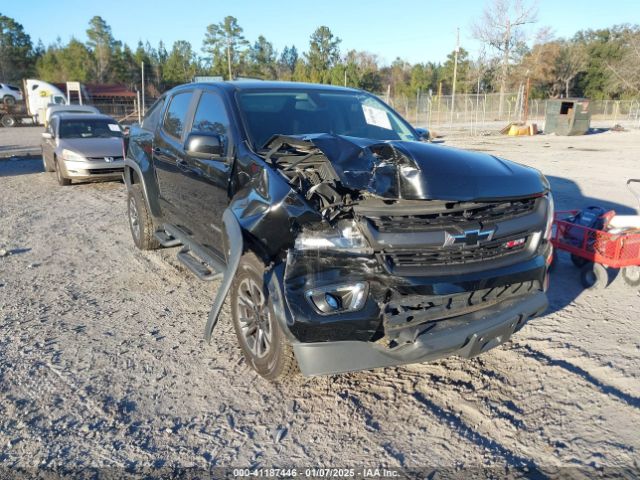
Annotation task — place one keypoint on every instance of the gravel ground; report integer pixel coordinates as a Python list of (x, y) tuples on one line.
[(103, 365)]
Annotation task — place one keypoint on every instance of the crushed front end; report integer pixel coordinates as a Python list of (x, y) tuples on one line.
[(393, 275)]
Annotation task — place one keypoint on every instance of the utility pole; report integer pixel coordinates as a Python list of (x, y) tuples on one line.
[(455, 73), (526, 98), (143, 104)]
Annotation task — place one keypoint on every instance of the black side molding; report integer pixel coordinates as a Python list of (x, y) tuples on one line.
[(235, 242)]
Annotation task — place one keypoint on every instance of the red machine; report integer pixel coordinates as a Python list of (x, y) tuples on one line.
[(615, 243)]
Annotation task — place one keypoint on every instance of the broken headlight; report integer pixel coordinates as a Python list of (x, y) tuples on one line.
[(345, 237)]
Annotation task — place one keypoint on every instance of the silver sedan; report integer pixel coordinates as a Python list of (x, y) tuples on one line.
[(83, 147)]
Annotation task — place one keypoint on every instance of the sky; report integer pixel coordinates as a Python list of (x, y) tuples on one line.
[(417, 31)]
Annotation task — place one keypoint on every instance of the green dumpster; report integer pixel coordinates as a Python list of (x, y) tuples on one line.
[(567, 116)]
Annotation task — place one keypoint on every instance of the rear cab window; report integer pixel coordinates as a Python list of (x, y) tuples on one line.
[(152, 118), (176, 115)]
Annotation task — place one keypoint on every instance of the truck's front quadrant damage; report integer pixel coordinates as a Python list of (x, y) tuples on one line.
[(363, 246)]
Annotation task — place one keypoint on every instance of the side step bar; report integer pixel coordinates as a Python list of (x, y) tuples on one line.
[(165, 239), (202, 264), (199, 268)]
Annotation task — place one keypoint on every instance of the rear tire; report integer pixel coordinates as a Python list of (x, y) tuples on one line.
[(9, 100), (62, 181), (140, 220), (594, 276), (631, 275), (261, 339), (578, 261)]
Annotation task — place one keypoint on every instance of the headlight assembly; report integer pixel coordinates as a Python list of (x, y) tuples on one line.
[(345, 237), (71, 155)]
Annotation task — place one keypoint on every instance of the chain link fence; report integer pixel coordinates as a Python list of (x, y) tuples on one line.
[(471, 114), (477, 114)]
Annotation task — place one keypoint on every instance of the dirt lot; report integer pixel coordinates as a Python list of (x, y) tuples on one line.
[(102, 361)]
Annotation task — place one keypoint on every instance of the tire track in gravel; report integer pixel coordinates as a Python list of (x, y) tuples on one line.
[(131, 342), (571, 367)]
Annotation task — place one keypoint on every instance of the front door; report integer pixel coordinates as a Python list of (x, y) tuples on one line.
[(207, 180), (168, 157)]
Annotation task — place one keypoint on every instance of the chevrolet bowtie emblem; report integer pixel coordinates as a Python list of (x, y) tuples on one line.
[(470, 238)]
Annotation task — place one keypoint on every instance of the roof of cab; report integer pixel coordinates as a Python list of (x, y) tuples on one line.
[(240, 85)]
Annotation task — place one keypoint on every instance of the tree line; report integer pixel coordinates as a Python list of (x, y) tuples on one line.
[(603, 63)]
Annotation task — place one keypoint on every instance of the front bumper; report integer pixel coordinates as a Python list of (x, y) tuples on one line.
[(92, 169), (465, 314), (471, 335)]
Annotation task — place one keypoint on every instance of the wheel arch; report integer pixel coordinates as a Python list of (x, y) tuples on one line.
[(132, 175)]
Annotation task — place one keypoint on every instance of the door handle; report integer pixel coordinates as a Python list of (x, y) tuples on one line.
[(157, 150)]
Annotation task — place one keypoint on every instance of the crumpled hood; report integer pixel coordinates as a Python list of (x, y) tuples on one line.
[(424, 171)]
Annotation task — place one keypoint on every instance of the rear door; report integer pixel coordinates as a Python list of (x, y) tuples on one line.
[(168, 155), (207, 180)]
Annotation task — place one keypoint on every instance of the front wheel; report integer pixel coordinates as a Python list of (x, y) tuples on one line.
[(9, 100), (594, 276), (261, 338), (62, 180), (631, 275), (45, 165), (140, 221)]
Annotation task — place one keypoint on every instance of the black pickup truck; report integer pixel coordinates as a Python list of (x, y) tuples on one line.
[(343, 239)]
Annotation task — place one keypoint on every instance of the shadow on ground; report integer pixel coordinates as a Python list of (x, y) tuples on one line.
[(13, 166)]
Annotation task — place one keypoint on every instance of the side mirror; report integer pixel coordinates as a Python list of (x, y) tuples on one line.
[(207, 146), (423, 134), (47, 135)]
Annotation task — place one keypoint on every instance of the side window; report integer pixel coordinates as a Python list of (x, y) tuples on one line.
[(176, 115), (211, 115), (152, 117)]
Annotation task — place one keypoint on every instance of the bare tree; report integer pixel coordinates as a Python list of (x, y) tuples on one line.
[(571, 60), (500, 28)]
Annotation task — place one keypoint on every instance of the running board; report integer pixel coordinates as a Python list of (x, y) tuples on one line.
[(199, 268), (202, 264), (165, 239)]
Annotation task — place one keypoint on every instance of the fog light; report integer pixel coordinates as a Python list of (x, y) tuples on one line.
[(334, 299)]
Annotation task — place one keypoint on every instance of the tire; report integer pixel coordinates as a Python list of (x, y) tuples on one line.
[(594, 276), (9, 100), (140, 220), (8, 121), (62, 181), (46, 167), (631, 275), (261, 339), (578, 261)]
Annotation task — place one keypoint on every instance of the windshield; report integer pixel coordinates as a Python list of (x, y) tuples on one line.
[(298, 112), (89, 129)]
